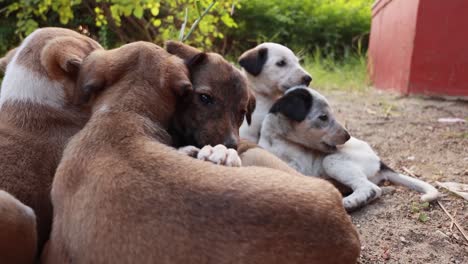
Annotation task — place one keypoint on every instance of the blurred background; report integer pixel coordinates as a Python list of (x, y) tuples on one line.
[(330, 36)]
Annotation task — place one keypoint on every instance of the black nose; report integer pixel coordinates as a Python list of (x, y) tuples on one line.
[(347, 136), (231, 143), (306, 80)]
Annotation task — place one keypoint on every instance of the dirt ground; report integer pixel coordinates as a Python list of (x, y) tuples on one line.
[(406, 134)]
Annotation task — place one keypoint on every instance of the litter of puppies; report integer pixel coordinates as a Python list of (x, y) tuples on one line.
[(141, 154)]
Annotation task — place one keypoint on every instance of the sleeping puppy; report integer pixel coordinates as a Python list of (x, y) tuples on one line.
[(122, 195), (271, 69), (37, 116), (301, 130), (17, 231)]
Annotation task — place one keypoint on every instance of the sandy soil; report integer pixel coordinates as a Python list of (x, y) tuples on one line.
[(406, 133)]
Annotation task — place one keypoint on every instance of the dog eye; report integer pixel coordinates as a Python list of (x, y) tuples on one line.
[(323, 117), (205, 99), (281, 63)]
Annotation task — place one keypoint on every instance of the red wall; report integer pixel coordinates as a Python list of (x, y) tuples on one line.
[(420, 46), (391, 42)]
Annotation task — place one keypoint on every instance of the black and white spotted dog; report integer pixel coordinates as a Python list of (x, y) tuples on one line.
[(301, 130)]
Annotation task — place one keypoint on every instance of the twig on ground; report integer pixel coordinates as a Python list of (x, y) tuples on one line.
[(411, 173), (452, 223), (462, 231)]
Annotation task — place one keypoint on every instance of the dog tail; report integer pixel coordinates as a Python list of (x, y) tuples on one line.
[(430, 192)]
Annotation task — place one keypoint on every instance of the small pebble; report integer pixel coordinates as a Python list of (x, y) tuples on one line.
[(402, 239)]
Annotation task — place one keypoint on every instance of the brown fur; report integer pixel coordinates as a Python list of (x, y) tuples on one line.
[(121, 195), (5, 60), (17, 231), (32, 136), (199, 124)]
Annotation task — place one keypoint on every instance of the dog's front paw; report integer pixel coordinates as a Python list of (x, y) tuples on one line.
[(220, 155), (191, 151)]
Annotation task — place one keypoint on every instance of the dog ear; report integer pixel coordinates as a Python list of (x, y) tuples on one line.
[(250, 107), (253, 60), (63, 56), (5, 60), (191, 56), (295, 105)]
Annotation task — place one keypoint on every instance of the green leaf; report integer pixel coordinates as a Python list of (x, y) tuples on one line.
[(423, 217), (138, 12)]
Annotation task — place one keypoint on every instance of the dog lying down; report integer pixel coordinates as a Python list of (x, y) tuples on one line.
[(301, 130), (121, 195)]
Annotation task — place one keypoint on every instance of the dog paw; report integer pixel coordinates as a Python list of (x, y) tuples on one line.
[(191, 151), (360, 197), (220, 155)]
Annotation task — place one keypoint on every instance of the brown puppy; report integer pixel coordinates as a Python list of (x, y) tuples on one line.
[(213, 111), (37, 117), (121, 195), (17, 231)]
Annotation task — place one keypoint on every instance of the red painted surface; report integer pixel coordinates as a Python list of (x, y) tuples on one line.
[(420, 46)]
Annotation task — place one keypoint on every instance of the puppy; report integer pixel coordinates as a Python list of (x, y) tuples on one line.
[(17, 231), (214, 110), (37, 116), (271, 69), (301, 130), (121, 195)]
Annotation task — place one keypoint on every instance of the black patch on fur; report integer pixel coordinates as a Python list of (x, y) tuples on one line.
[(253, 61), (294, 105), (384, 167)]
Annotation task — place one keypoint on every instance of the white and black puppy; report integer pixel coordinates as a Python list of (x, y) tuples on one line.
[(301, 130), (271, 70)]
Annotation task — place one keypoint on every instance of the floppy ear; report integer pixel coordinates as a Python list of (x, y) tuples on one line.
[(253, 60), (295, 105), (191, 56), (250, 107), (63, 56), (5, 60)]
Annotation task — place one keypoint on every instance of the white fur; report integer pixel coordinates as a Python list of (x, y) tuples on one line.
[(23, 85), (354, 163), (271, 83), (220, 155)]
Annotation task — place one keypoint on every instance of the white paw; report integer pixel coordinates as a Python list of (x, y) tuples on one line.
[(220, 155), (191, 151), (360, 197)]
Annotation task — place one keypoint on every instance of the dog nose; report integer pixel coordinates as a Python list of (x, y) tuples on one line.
[(347, 136), (306, 79), (231, 143)]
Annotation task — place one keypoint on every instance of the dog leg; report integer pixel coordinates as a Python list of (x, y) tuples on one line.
[(220, 155), (364, 191)]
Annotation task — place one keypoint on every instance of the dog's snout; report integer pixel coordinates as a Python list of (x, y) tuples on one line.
[(231, 142), (306, 79)]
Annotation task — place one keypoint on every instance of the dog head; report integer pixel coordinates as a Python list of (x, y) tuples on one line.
[(273, 69), (213, 111), (140, 76), (44, 69), (306, 118)]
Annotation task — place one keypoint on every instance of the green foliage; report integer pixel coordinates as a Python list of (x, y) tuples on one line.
[(348, 73), (120, 21), (335, 26)]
